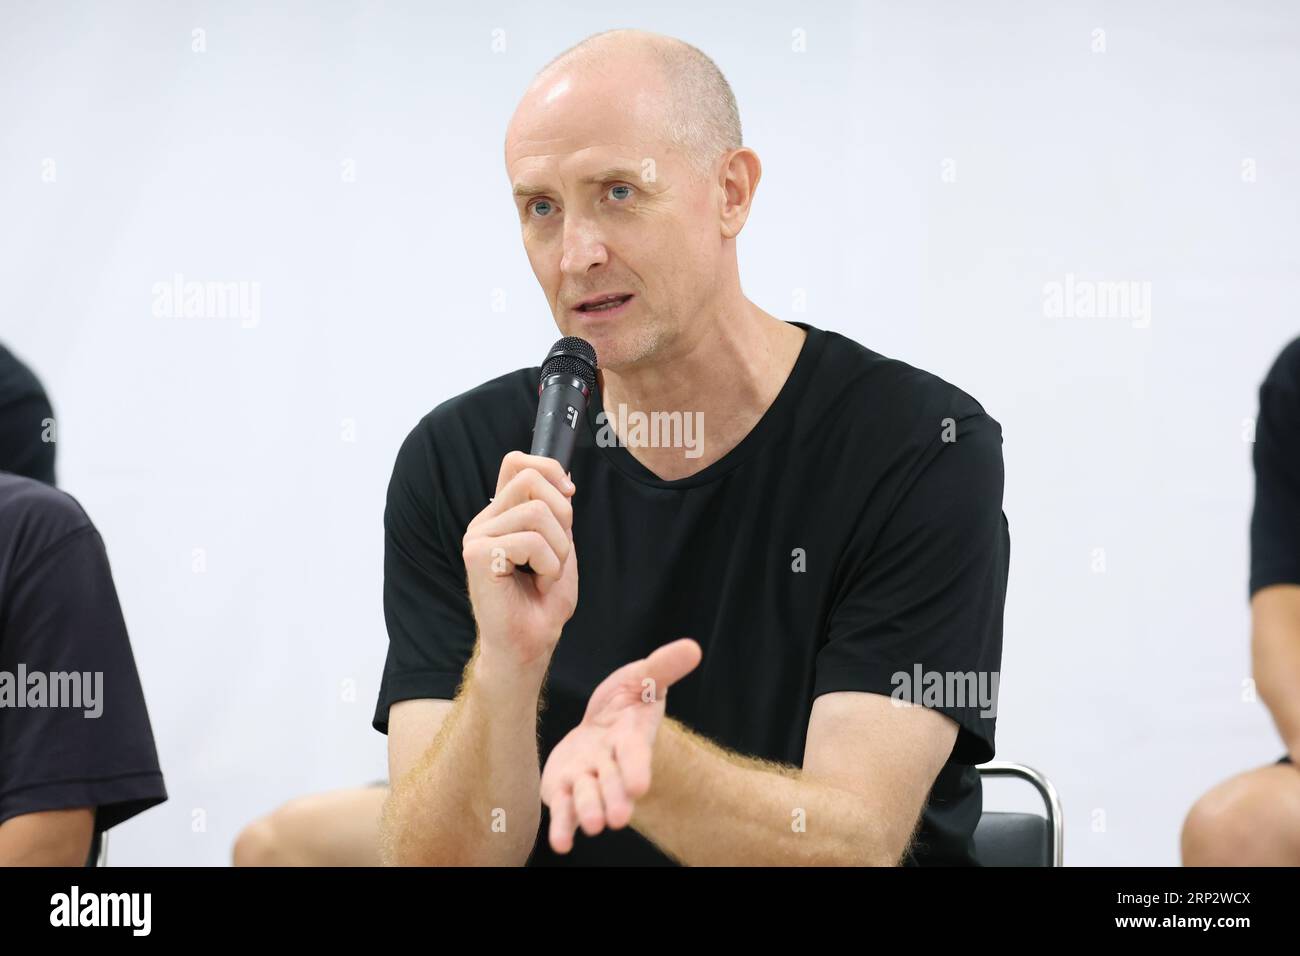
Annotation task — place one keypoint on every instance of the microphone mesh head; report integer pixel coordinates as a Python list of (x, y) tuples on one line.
[(573, 356)]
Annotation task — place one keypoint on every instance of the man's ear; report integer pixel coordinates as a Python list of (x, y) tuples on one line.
[(738, 178)]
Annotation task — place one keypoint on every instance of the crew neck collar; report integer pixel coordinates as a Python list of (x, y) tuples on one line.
[(778, 414)]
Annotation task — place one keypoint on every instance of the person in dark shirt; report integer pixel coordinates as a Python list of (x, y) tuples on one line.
[(1253, 819), (839, 545), (77, 754), (26, 422), (788, 639)]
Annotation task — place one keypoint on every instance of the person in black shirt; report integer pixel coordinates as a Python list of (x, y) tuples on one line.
[(77, 754), (26, 422), (823, 527), (1253, 819)]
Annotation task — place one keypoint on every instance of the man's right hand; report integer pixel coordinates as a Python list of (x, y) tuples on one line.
[(529, 521)]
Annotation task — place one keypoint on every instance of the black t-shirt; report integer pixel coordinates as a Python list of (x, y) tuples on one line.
[(60, 625), (24, 413), (901, 535), (1275, 522)]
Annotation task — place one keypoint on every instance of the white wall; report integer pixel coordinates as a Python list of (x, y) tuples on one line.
[(376, 303)]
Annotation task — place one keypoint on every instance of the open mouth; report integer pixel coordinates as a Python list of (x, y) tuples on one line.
[(611, 304)]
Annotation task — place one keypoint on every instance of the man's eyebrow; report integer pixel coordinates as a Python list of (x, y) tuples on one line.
[(605, 175)]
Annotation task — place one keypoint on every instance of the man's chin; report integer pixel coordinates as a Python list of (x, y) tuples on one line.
[(615, 345)]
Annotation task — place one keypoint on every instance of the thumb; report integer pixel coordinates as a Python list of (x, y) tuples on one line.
[(670, 663)]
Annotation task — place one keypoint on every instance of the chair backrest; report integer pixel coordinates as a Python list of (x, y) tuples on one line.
[(1021, 839), (98, 855)]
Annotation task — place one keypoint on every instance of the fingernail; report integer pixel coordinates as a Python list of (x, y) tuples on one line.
[(568, 485)]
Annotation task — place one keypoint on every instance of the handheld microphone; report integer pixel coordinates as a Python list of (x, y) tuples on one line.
[(567, 379)]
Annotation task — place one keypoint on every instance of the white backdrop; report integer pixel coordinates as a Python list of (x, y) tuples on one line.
[(929, 171)]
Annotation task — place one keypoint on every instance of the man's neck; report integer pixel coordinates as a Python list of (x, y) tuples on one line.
[(725, 380)]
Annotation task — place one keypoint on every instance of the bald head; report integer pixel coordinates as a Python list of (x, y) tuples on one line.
[(698, 115), (630, 181)]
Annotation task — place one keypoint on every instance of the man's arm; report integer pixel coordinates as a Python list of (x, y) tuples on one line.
[(868, 767), (464, 774), (1275, 658), (47, 838)]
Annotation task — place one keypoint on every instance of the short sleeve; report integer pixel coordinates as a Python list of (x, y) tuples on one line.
[(919, 614), (427, 610), (1275, 520), (80, 737)]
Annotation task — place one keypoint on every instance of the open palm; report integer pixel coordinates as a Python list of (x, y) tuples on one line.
[(596, 773)]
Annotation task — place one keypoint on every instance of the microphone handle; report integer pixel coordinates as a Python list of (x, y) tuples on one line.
[(561, 404)]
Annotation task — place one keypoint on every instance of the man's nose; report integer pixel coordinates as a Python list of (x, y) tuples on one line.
[(583, 246)]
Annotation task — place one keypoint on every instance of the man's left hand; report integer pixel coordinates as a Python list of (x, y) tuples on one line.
[(596, 773)]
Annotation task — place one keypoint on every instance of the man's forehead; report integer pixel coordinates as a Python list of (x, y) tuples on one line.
[(578, 125), (583, 143)]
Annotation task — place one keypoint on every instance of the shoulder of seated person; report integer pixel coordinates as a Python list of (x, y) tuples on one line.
[(492, 408), (1285, 371), (28, 504), (897, 388)]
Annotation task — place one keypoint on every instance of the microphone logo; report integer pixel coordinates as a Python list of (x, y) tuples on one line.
[(571, 416)]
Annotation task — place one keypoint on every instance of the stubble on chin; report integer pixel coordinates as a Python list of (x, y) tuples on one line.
[(621, 349)]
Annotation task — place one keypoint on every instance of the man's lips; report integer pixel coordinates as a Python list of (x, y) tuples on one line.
[(622, 298)]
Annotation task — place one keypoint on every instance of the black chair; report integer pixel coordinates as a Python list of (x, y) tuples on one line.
[(98, 855), (1020, 839)]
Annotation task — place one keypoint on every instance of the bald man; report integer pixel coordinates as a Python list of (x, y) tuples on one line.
[(761, 611), (764, 598)]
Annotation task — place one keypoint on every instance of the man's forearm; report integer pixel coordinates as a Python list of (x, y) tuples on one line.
[(472, 799), (711, 807)]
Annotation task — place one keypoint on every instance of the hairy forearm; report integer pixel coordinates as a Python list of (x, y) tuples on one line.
[(1275, 657), (472, 799), (708, 806)]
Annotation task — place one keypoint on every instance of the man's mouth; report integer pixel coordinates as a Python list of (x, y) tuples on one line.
[(606, 303)]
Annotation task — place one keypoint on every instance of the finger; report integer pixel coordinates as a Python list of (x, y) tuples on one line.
[(670, 663), (618, 808), (516, 461), (506, 552), (526, 486), (544, 582), (633, 755), (535, 515), (587, 804), (563, 823)]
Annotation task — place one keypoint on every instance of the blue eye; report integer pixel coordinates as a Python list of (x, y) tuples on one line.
[(620, 186), (540, 202)]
